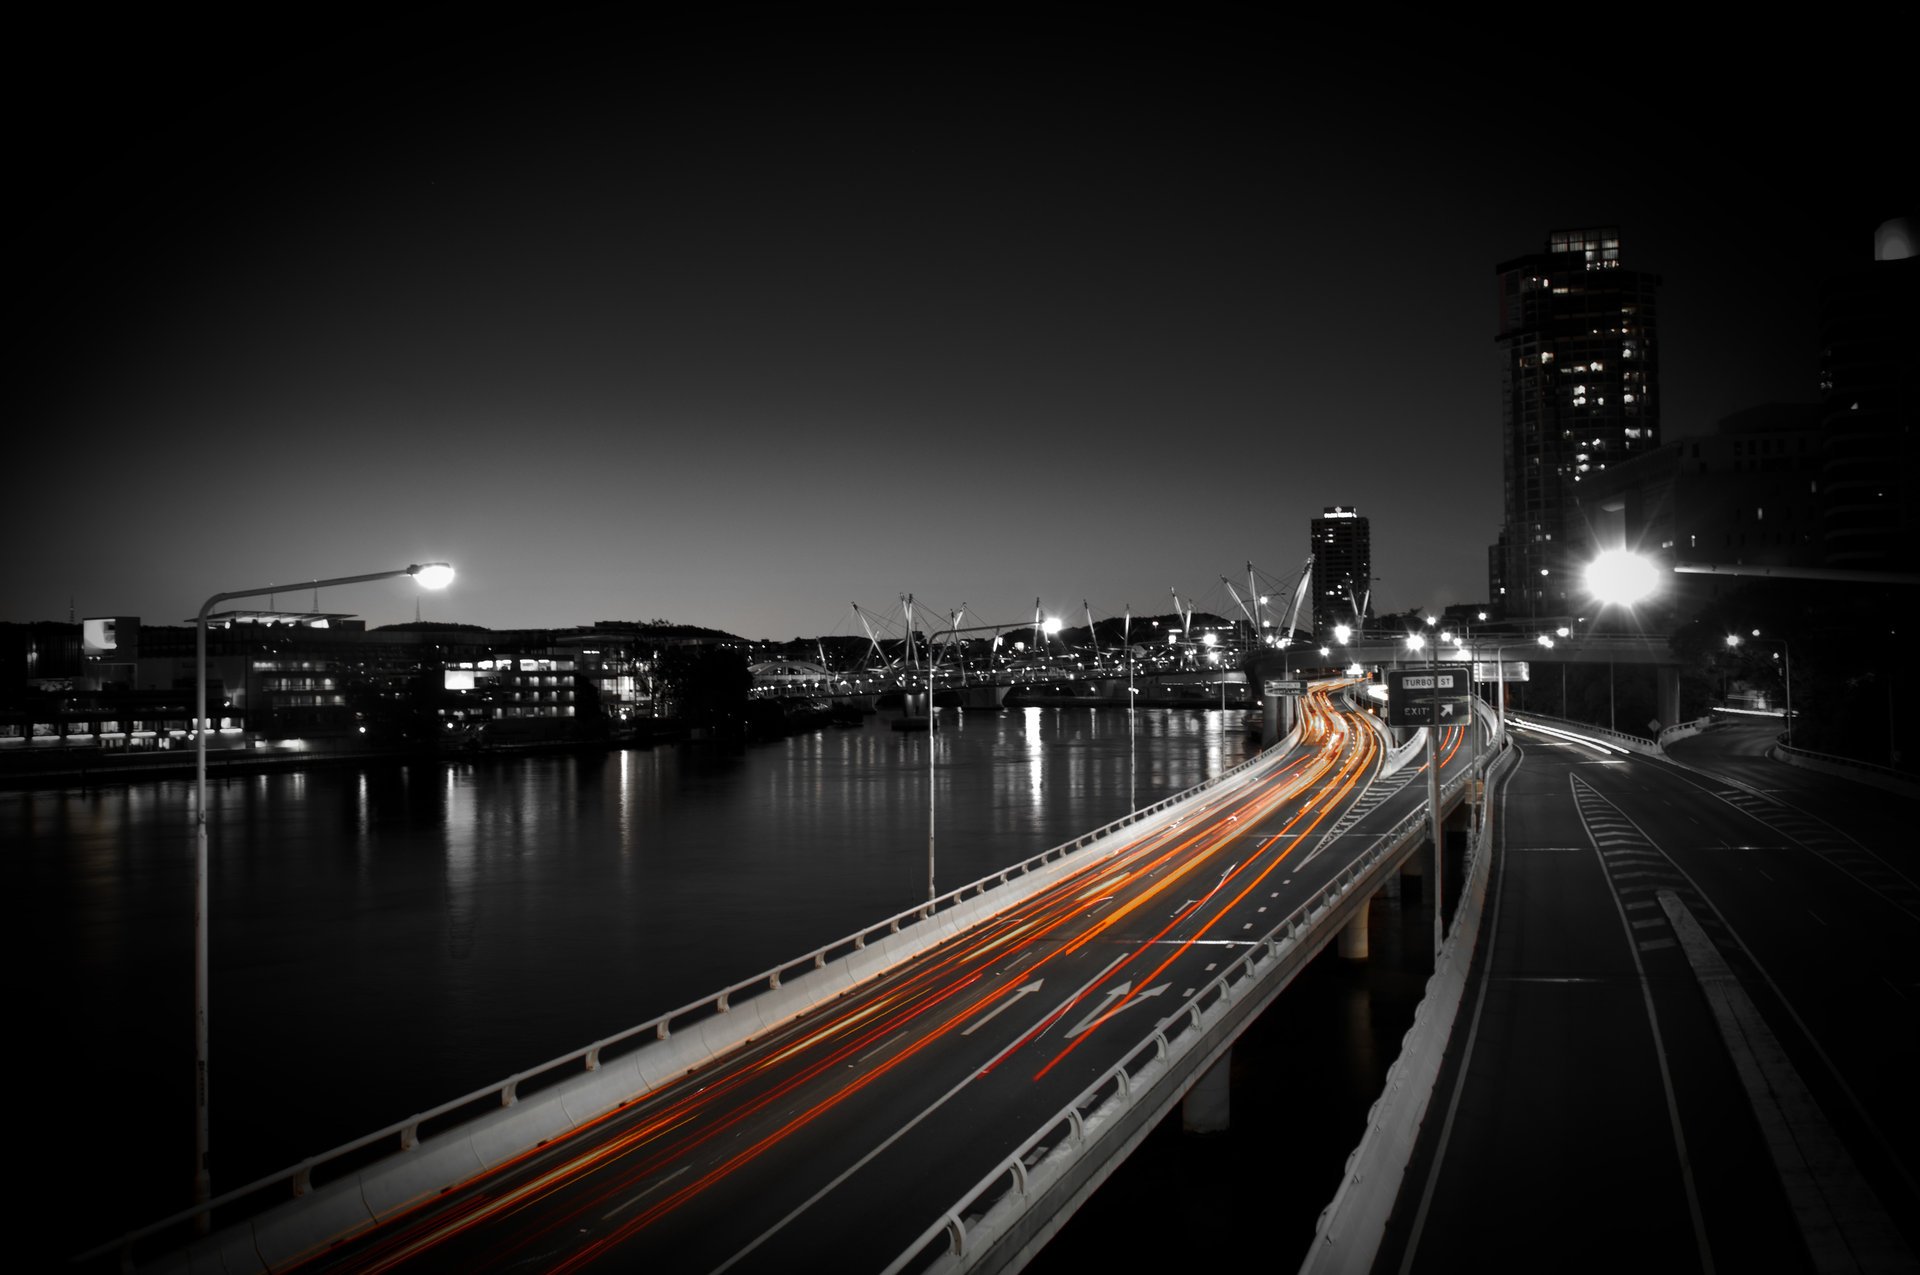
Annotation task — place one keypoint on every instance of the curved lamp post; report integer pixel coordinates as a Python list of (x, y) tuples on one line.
[(430, 575), (1625, 577), (1734, 640)]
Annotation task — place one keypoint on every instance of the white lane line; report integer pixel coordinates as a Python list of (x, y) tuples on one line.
[(880, 1047), (1841, 1220), (610, 1214), (1026, 989)]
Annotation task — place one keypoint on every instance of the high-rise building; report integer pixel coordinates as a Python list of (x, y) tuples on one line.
[(1579, 391), (1869, 478), (1342, 567)]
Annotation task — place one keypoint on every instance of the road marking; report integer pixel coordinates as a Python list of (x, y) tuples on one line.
[(1025, 989), (1841, 1221), (1589, 804), (882, 1045), (612, 1213), (1113, 993), (1816, 916)]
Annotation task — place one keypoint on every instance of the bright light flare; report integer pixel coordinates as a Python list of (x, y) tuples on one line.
[(1619, 575), (432, 575)]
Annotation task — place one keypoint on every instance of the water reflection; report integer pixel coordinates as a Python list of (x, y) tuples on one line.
[(383, 940)]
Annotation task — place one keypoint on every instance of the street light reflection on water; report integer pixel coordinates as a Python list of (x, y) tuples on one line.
[(396, 936)]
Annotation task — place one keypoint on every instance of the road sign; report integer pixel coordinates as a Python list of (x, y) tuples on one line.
[(1434, 696), (1277, 687), (1501, 671)]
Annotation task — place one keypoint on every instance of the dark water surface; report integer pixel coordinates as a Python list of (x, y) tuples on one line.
[(386, 939)]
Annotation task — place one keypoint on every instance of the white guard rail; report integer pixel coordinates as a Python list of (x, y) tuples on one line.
[(415, 1166), (990, 1209)]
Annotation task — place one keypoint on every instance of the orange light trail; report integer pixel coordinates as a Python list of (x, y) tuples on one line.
[(689, 1119)]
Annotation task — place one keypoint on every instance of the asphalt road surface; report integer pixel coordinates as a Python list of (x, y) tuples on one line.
[(835, 1142), (1692, 1031)]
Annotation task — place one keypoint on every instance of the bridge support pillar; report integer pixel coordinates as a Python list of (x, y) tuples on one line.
[(1277, 714), (1208, 1105), (1666, 694), (1353, 936), (1413, 870)]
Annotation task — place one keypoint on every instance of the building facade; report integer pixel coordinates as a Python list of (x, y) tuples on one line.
[(1579, 392), (1870, 422), (1342, 547)]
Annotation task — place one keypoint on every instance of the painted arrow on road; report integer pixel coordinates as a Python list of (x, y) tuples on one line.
[(1025, 989), (1093, 1020)]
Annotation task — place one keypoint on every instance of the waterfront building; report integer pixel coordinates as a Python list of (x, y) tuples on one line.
[(1579, 392), (1342, 547)]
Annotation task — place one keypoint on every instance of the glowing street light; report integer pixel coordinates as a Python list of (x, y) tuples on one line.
[(429, 575), (1734, 640), (1624, 577), (1620, 575)]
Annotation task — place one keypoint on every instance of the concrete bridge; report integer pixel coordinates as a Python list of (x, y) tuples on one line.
[(1333, 809)]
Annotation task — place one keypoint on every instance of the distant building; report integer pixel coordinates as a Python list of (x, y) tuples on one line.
[(114, 683), (1792, 488), (1870, 385), (1579, 392), (1342, 567), (1746, 495)]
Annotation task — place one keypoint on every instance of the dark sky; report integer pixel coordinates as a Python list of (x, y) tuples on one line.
[(736, 321)]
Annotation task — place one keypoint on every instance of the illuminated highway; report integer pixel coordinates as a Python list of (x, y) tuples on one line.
[(1695, 1017), (839, 1138)]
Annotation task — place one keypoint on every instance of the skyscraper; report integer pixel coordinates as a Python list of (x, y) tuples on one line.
[(1342, 567), (1869, 478), (1579, 390)]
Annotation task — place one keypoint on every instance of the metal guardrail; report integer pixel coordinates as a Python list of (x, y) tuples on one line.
[(1636, 743), (978, 1216), (1866, 772), (1683, 730), (404, 1135), (1348, 1232)]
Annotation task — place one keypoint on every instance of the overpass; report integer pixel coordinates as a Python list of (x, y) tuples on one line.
[(836, 1104)]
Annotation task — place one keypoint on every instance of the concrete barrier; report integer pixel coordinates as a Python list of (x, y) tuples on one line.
[(1351, 1227), (298, 1229), (1861, 772)]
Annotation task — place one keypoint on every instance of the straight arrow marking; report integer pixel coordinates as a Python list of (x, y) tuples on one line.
[(1025, 989)]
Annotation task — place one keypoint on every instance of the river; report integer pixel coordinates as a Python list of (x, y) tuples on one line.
[(388, 938)]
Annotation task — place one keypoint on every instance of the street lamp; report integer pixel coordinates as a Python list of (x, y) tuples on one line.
[(429, 575), (1625, 577), (1734, 639)]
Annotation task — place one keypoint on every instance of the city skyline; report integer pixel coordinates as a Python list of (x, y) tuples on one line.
[(736, 325)]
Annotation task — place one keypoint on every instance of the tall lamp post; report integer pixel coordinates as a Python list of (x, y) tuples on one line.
[(1734, 639), (429, 575), (1415, 642), (1625, 577)]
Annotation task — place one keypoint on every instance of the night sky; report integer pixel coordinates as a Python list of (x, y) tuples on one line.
[(733, 322)]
